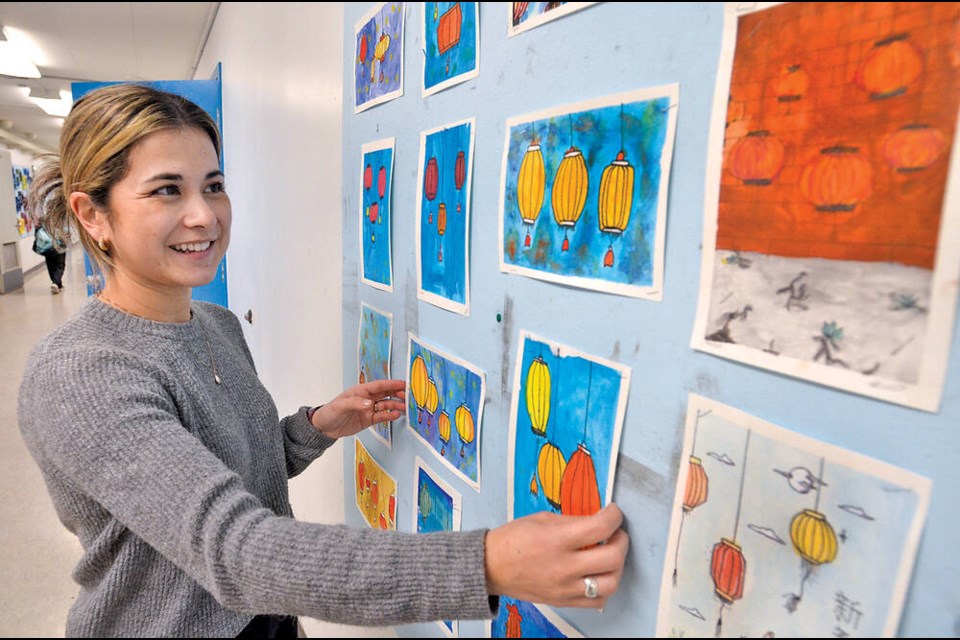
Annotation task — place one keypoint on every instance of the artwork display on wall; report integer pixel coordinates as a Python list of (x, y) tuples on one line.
[(376, 214), (450, 32), (378, 62), (445, 397), (522, 619), (21, 193), (565, 425), (583, 192), (437, 507), (374, 351), (443, 215), (776, 533), (376, 489), (831, 241), (527, 15)]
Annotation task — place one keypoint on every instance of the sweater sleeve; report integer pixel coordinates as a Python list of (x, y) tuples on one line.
[(123, 446)]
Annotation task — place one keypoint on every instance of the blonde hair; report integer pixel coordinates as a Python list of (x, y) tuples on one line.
[(102, 128)]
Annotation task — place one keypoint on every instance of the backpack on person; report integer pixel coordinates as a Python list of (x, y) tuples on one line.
[(45, 245)]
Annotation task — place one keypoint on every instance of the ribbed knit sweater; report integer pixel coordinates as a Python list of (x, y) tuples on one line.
[(177, 490)]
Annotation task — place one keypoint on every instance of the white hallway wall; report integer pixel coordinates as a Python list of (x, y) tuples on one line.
[(282, 103)]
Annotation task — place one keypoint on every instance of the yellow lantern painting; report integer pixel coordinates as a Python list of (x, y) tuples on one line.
[(538, 395), (616, 200), (465, 426), (418, 384), (569, 192), (550, 468), (531, 183), (432, 400), (443, 428)]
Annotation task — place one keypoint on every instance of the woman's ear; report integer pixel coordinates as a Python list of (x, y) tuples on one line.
[(92, 220)]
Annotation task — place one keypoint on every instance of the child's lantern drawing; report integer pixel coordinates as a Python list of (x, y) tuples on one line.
[(771, 512), (564, 439), (835, 170), (450, 392), (584, 192), (378, 65)]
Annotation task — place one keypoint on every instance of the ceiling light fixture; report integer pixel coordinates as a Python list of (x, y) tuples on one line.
[(53, 106), (13, 60)]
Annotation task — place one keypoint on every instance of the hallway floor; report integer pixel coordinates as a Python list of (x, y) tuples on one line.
[(38, 552)]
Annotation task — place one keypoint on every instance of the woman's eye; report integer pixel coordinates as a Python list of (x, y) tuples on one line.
[(168, 190), (216, 187)]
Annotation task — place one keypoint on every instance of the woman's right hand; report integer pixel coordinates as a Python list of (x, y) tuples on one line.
[(545, 557)]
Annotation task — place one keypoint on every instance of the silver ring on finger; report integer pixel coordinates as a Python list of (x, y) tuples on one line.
[(591, 588)]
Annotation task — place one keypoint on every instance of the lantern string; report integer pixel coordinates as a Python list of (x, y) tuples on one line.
[(586, 415), (743, 475), (816, 504), (621, 129)]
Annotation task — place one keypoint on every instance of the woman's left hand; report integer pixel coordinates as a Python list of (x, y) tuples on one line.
[(361, 406)]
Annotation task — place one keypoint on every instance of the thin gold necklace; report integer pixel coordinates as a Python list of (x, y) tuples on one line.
[(203, 330)]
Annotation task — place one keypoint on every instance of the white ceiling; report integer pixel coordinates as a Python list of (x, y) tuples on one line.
[(100, 41)]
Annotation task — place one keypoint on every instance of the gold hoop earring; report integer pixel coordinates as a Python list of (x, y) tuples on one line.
[(103, 244)]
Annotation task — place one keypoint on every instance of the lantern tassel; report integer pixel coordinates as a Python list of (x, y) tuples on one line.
[(440, 255), (566, 244), (526, 242), (720, 621), (608, 259)]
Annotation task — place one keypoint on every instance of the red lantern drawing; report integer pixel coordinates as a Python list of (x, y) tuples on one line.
[(382, 181), (368, 177), (431, 178), (727, 570), (460, 174), (448, 30), (757, 158), (519, 8), (579, 494), (362, 57), (792, 84), (372, 211), (892, 65), (913, 148), (514, 619), (837, 179)]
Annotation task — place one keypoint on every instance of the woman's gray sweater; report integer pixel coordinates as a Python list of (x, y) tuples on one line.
[(177, 490)]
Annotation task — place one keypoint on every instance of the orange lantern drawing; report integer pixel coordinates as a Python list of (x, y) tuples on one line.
[(431, 179), (891, 66), (695, 491), (913, 148), (459, 174), (448, 31), (756, 159), (792, 84), (728, 566), (837, 180), (579, 494), (550, 469), (514, 619)]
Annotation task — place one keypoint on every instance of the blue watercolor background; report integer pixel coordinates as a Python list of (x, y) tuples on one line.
[(377, 235), (388, 20), (455, 385), (446, 278), (462, 57), (567, 425), (597, 133)]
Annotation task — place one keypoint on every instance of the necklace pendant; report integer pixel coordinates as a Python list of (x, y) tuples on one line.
[(216, 378)]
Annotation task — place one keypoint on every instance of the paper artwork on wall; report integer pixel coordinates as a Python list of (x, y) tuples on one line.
[(376, 490), (450, 32), (565, 425), (376, 214), (527, 15), (378, 61), (22, 179), (374, 350), (583, 192), (445, 396), (522, 619), (443, 216), (831, 244), (774, 533), (438, 507)]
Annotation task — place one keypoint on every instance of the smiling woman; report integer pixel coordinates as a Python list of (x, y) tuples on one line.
[(165, 454)]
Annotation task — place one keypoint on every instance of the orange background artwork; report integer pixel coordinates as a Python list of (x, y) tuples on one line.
[(840, 122)]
